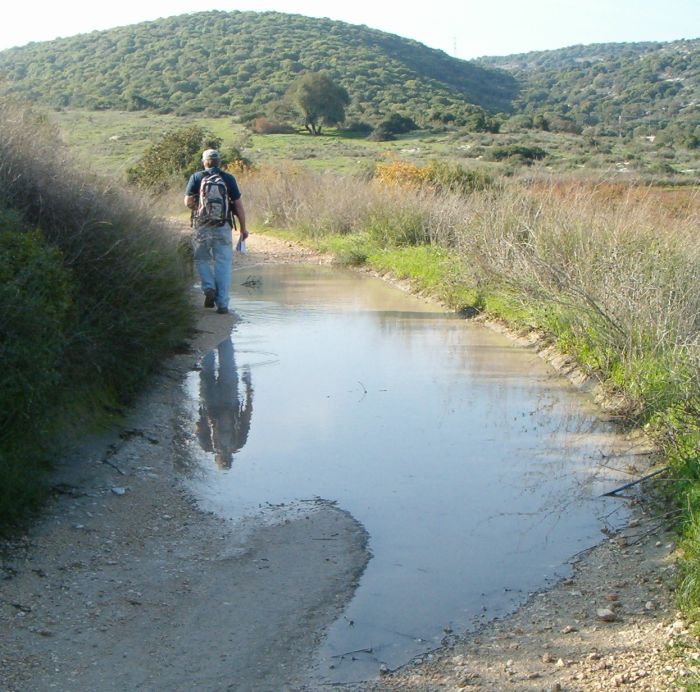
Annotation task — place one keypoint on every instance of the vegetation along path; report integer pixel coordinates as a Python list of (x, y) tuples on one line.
[(125, 584)]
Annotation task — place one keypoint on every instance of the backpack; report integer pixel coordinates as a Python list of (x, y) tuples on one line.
[(213, 206)]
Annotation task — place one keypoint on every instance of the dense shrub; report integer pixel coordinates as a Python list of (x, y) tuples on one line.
[(516, 153), (35, 307), (91, 300), (356, 127), (176, 154), (36, 294), (381, 133), (398, 124), (439, 176), (265, 126)]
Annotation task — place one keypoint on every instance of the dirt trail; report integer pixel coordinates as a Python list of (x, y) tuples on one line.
[(123, 584)]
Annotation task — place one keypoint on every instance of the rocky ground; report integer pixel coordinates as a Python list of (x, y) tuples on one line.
[(124, 584)]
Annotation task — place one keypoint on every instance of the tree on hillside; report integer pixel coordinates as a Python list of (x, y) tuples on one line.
[(319, 100)]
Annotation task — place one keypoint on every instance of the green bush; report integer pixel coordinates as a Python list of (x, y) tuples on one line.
[(516, 153), (90, 301), (176, 154), (391, 226), (451, 177), (35, 301)]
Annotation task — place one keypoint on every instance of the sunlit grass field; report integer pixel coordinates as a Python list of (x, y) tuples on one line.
[(115, 140)]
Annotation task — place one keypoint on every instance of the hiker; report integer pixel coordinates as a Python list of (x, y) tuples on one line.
[(214, 198)]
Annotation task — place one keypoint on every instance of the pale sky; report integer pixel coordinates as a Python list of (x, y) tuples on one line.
[(463, 28)]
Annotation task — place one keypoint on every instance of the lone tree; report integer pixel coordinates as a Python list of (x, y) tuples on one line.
[(319, 100)]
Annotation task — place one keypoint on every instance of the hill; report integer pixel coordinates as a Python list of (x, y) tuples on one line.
[(221, 63), (614, 88)]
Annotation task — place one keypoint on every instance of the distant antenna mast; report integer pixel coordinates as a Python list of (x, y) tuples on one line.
[(454, 46)]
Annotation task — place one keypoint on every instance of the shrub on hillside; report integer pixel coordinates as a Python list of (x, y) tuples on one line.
[(265, 126), (395, 124), (516, 153), (357, 127)]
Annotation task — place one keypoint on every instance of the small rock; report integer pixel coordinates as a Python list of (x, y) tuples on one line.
[(119, 491), (568, 630), (649, 605), (606, 615), (560, 663), (547, 658), (384, 669), (678, 626)]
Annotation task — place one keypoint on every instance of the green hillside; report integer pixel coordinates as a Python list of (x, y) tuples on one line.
[(614, 88), (237, 63), (240, 64)]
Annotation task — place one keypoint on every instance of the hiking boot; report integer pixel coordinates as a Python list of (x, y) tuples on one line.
[(222, 310), (209, 296)]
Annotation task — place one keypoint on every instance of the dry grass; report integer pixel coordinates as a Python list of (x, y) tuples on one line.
[(610, 270)]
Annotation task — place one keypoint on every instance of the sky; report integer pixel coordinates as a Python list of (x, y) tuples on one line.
[(462, 28)]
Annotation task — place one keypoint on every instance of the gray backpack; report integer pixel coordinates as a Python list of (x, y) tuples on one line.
[(213, 208)]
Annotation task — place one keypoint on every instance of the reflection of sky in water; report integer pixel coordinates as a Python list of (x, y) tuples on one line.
[(472, 466)]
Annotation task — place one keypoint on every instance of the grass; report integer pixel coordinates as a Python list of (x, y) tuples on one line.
[(114, 140)]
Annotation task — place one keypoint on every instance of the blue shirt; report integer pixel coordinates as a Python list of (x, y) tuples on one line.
[(196, 180)]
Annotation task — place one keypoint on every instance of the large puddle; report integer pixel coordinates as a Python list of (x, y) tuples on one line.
[(476, 470)]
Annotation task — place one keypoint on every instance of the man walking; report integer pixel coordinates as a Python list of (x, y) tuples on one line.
[(215, 198)]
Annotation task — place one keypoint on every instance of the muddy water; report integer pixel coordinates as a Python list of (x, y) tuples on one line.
[(476, 470)]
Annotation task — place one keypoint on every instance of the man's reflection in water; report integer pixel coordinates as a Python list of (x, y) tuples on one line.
[(224, 412)]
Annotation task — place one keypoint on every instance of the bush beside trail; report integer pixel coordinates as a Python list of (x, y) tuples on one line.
[(94, 293)]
